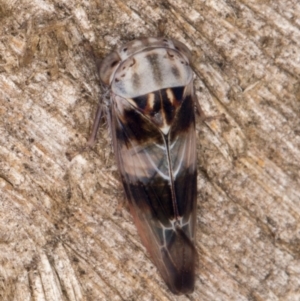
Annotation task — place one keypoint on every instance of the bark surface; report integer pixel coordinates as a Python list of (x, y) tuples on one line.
[(65, 230)]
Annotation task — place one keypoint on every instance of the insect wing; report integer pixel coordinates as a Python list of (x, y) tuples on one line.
[(158, 169)]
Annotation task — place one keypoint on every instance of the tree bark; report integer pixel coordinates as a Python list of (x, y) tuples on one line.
[(65, 230)]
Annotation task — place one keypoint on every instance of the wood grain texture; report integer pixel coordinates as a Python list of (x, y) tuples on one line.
[(65, 233)]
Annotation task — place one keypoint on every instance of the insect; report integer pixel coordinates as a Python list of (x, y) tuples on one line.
[(150, 108)]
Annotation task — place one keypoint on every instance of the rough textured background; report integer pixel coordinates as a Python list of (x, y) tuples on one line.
[(65, 233)]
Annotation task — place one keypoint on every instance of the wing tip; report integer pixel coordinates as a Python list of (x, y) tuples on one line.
[(183, 284), (180, 259), (176, 260)]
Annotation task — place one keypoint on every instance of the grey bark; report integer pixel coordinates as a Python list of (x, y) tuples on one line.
[(65, 230)]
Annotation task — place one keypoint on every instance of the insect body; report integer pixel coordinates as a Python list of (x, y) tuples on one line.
[(151, 116)]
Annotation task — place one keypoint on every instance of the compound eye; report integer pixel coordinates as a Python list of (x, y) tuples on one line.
[(108, 67)]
